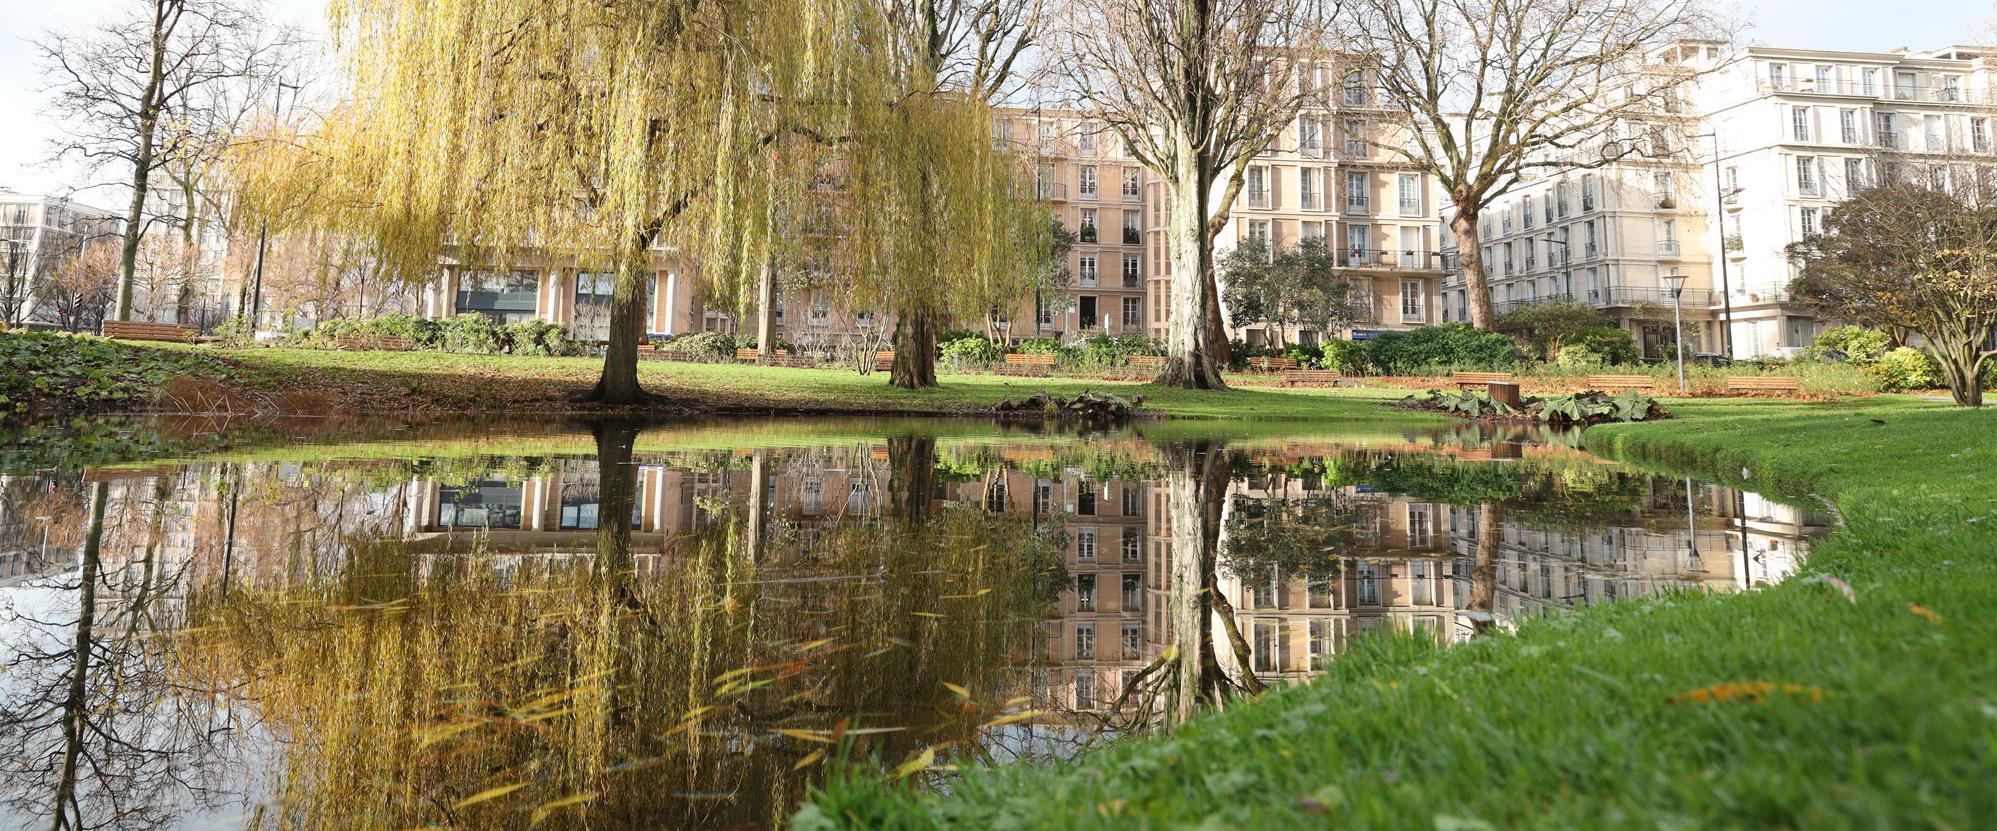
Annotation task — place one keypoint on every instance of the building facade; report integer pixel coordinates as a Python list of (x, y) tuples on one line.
[(36, 234)]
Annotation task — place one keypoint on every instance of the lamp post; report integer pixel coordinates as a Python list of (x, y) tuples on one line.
[(1720, 193), (1677, 284)]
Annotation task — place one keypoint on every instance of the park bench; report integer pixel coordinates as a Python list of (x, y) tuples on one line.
[(380, 343), (1762, 383), (1622, 382), (1151, 362), (128, 330), (1036, 364), (1312, 377), (1478, 379), (750, 355), (883, 361), (1273, 364)]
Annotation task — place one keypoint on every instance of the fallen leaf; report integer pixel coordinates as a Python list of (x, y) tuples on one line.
[(921, 762), (488, 794), (1926, 613), (1749, 691)]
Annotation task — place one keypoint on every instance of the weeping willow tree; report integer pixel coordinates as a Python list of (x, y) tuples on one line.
[(629, 136)]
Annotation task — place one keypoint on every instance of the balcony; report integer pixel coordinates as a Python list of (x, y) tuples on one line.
[(1888, 139), (1563, 207), (1311, 201), (1357, 203), (1132, 236), (1090, 192), (1410, 259), (1311, 150), (1086, 234), (1590, 251), (1587, 202), (1634, 295), (1258, 199), (1357, 149), (1131, 195), (1412, 207), (1809, 189), (1053, 191), (1813, 86), (1667, 248)]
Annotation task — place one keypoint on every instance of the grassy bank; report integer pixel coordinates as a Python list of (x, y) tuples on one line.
[(63, 375), (1584, 721)]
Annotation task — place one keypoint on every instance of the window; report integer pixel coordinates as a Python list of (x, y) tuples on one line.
[(1085, 634), (1043, 312), (1848, 126), (1355, 245), (1258, 229), (1666, 189), (1869, 81), (1087, 269), (1133, 592), (811, 492), (1414, 303), (1410, 193), (1356, 192), (1310, 136), (1355, 141), (1131, 542), (1883, 132), (1854, 175), (1806, 175), (1089, 186), (1588, 238), (1979, 135), (1085, 593), (1133, 312), (1085, 499), (1778, 76), (1085, 141), (1809, 221), (1266, 647), (1133, 639), (1133, 227), (1421, 525), (1130, 184), (1087, 232), (1085, 545), (1258, 187), (1588, 192), (1525, 210), (1132, 506), (1368, 583), (1355, 90), (1799, 123), (1307, 196), (505, 297)]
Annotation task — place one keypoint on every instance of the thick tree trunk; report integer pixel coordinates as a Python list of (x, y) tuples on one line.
[(1191, 356), (914, 351), (1962, 370), (912, 475), (142, 164), (766, 314), (1470, 257), (617, 498), (619, 382), (1484, 568)]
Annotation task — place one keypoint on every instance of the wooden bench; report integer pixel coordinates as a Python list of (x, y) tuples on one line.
[(380, 343), (1762, 383), (1312, 377), (883, 361), (1273, 364), (1478, 379), (1151, 362), (1622, 382), (1039, 364), (750, 355), (128, 330)]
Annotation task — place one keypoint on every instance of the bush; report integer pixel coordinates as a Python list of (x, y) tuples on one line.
[(1576, 356), (1905, 368), (50, 374), (536, 337), (1450, 346), (1598, 346), (971, 350), (1856, 344), (1038, 346), (1115, 350), (1549, 326), (1345, 356), (470, 332), (715, 345)]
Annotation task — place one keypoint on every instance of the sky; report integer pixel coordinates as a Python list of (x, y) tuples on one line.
[(1814, 24)]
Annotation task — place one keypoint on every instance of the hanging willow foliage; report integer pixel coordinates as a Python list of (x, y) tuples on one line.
[(726, 135)]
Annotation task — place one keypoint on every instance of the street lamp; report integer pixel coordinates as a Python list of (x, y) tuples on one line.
[(1677, 284), (1720, 216)]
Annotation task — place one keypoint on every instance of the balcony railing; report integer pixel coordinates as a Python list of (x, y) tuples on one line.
[(1590, 251), (1667, 248), (1410, 207), (1358, 203), (1587, 202), (1889, 139), (1311, 151), (1258, 198), (1357, 150), (1133, 195), (1311, 201), (1087, 233), (1054, 191), (1090, 192), (1633, 295), (1391, 258), (1132, 236)]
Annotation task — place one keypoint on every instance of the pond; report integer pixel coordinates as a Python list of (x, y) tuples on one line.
[(616, 624)]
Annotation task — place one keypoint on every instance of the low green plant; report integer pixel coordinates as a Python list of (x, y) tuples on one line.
[(49, 374), (1038, 346), (1344, 355), (1436, 349), (970, 350), (1856, 344), (470, 332), (1576, 356), (537, 337), (710, 345), (1905, 368), (1104, 351)]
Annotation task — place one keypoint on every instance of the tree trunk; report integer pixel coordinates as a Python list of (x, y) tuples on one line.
[(766, 314), (912, 475), (1470, 257), (619, 382), (1191, 360), (1484, 568), (1962, 369), (142, 164), (914, 351), (617, 501)]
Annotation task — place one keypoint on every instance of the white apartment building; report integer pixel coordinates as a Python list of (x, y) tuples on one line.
[(1794, 132), (1799, 130), (36, 234)]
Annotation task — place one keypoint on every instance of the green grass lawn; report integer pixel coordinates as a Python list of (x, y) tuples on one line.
[(433, 381), (1570, 722)]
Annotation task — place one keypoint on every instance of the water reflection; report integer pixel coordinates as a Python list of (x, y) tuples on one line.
[(620, 626)]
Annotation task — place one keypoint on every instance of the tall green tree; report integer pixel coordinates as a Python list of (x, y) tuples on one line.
[(1298, 287)]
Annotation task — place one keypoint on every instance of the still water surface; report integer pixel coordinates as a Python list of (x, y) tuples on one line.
[(615, 625)]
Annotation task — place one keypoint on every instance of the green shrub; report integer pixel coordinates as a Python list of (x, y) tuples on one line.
[(470, 332), (49, 374), (1344, 355), (716, 345), (236, 332), (1597, 346), (1905, 368), (537, 337), (1858, 344), (972, 350), (1434, 349), (1038, 346), (1576, 356), (1105, 350), (1549, 326)]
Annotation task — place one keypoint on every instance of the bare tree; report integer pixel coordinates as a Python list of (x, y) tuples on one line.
[(1194, 88), (1494, 89), (80, 286), (135, 94)]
